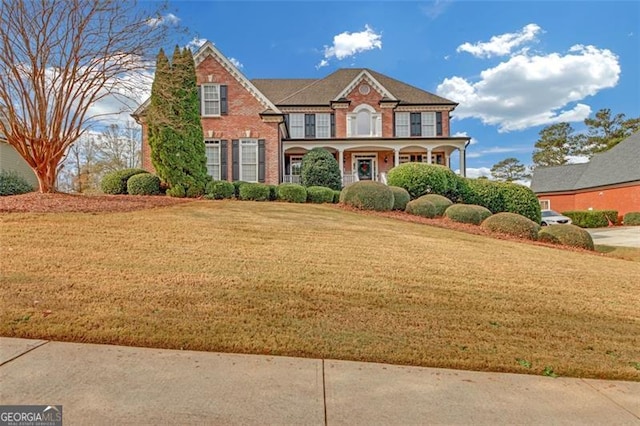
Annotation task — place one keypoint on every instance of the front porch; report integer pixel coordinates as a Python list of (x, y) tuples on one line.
[(368, 161)]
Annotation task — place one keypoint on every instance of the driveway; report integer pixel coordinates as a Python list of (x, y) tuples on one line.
[(622, 236)]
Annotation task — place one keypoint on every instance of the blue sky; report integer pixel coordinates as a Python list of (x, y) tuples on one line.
[(513, 66)]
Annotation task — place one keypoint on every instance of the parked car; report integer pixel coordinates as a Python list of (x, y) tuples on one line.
[(550, 217)]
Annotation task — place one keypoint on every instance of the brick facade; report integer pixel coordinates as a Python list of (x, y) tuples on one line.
[(624, 199)]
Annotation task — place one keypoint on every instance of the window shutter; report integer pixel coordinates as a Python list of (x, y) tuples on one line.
[(223, 160), (309, 125), (286, 124), (199, 100), (438, 123), (223, 100), (333, 125), (261, 160), (235, 157), (416, 124), (395, 123)]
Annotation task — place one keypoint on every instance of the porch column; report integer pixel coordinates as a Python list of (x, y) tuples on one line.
[(463, 162), (429, 155), (341, 163), (447, 160), (396, 156), (284, 166)]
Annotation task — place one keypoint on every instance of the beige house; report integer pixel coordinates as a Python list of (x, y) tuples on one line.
[(10, 160)]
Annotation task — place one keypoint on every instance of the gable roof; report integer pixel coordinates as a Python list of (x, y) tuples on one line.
[(323, 91), (618, 165)]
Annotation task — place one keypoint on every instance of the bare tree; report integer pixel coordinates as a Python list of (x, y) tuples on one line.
[(119, 147), (60, 57)]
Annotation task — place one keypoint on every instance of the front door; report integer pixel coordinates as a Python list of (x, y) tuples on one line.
[(365, 168)]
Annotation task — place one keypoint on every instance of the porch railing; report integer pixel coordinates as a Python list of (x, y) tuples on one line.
[(382, 177), (349, 178), (291, 179)]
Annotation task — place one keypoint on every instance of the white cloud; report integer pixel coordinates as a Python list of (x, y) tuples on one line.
[(435, 8), (168, 19), (501, 45), (195, 43), (498, 150), (236, 63), (348, 44), (473, 140), (477, 172), (532, 90)]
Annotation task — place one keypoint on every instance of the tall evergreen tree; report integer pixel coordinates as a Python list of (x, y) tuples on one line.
[(553, 146), (604, 131), (509, 170)]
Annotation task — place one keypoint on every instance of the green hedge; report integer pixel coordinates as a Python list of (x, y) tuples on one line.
[(631, 219), (336, 196), (512, 224), (292, 193), (421, 179), (400, 197), (592, 218), (319, 194), (115, 183), (467, 213), (501, 197), (177, 191), (568, 235), (421, 207), (254, 192), (369, 195), (320, 168), (441, 203), (143, 184), (220, 190), (11, 183), (236, 185), (273, 192)]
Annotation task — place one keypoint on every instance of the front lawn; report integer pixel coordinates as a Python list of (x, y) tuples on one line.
[(317, 281)]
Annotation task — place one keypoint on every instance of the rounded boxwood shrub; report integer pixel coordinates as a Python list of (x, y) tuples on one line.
[(254, 192), (336, 196), (400, 197), (236, 185), (273, 192), (11, 183), (467, 213), (568, 235), (631, 219), (441, 203), (320, 168), (319, 194), (143, 184), (501, 197), (485, 193), (369, 195), (421, 207), (292, 193), (521, 200), (512, 224), (177, 191), (421, 179), (220, 190), (115, 183)]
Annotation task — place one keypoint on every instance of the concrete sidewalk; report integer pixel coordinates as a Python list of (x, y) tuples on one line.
[(621, 236), (101, 384)]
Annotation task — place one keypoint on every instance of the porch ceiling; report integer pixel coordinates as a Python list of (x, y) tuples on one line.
[(377, 144)]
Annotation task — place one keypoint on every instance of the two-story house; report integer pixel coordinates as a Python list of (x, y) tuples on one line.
[(259, 130)]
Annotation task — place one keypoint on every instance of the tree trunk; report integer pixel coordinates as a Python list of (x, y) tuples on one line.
[(47, 175)]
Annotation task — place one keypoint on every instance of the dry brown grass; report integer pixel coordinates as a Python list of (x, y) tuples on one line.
[(317, 281)]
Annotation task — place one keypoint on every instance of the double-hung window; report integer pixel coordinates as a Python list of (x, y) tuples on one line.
[(428, 124), (296, 125), (402, 124), (210, 100), (212, 151), (249, 160), (323, 125)]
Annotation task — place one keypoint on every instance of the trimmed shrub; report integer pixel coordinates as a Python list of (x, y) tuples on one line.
[(177, 191), (115, 183), (467, 213), (195, 190), (421, 179), (336, 197), (501, 197), (521, 200), (343, 193), (512, 224), (441, 203), (292, 193), (369, 195), (273, 192), (485, 193), (254, 192), (631, 219), (236, 185), (400, 197), (592, 218), (568, 235), (320, 168), (143, 184), (11, 183), (319, 194), (220, 190), (421, 207)]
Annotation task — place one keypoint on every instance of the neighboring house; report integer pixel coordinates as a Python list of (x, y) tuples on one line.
[(10, 160), (610, 180), (258, 130)]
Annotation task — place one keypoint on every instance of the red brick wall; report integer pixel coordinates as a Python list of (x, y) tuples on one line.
[(623, 199)]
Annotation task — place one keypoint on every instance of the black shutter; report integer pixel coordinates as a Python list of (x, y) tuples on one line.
[(261, 160), (235, 156), (286, 124), (438, 123), (223, 160), (333, 125), (224, 109), (200, 100), (394, 124), (309, 125), (416, 124)]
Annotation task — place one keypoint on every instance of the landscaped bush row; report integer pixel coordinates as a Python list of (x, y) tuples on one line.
[(288, 192), (11, 183), (115, 183), (631, 219), (592, 218), (568, 235), (467, 213)]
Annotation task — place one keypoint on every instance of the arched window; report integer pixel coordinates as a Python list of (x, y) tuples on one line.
[(364, 121)]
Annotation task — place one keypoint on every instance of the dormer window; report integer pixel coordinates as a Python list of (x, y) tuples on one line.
[(364, 121)]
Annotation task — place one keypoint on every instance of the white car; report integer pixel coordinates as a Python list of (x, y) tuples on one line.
[(550, 217)]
